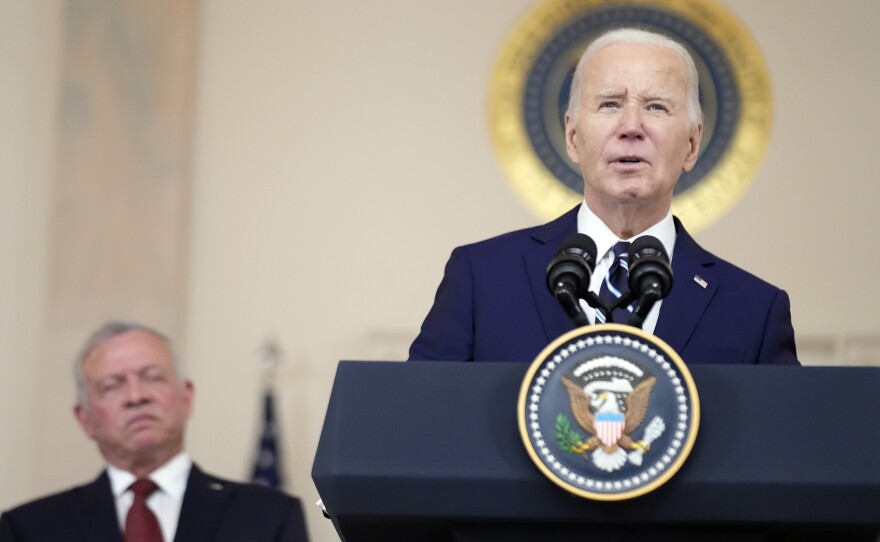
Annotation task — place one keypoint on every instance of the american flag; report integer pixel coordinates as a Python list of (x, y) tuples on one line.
[(267, 465)]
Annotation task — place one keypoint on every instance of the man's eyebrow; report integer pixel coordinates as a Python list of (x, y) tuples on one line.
[(657, 98), (606, 94), (609, 94), (151, 367), (108, 380)]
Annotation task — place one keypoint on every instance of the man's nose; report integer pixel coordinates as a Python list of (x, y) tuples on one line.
[(136, 393), (631, 123)]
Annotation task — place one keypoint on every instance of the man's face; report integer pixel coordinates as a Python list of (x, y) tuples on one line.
[(137, 405), (631, 137)]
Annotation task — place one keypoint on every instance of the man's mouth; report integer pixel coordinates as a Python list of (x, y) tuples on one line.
[(629, 160), (141, 419)]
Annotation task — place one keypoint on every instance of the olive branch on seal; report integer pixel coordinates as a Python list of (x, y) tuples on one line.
[(570, 440)]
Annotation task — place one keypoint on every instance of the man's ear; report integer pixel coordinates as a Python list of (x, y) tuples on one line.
[(85, 421), (691, 157), (570, 141), (189, 392)]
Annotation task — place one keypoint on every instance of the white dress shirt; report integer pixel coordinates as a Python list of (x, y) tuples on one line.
[(165, 502), (591, 225)]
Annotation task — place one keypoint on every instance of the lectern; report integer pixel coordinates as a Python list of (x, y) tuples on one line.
[(425, 451)]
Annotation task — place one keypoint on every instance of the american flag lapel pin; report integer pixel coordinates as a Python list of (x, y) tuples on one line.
[(699, 280)]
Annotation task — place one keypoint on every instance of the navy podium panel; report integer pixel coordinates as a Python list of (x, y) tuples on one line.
[(432, 451)]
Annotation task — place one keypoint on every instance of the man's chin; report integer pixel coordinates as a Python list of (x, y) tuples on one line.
[(636, 190), (146, 440), (631, 195), (618, 186)]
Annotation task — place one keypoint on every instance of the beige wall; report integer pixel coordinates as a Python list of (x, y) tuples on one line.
[(29, 36), (342, 151)]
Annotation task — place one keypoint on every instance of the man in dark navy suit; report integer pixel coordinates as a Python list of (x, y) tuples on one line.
[(134, 403), (633, 126)]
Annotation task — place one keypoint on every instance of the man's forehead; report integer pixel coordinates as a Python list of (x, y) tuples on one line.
[(131, 349), (625, 76), (626, 60), (655, 53)]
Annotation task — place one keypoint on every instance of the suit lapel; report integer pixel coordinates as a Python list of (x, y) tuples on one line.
[(547, 241), (202, 510), (97, 520), (694, 285)]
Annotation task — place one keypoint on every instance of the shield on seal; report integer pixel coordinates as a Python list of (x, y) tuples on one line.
[(609, 427)]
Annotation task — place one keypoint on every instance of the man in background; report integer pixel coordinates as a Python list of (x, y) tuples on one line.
[(134, 403), (633, 125)]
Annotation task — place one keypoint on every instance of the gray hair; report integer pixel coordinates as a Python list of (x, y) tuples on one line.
[(634, 36), (105, 333)]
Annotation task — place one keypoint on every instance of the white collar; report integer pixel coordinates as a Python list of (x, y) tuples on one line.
[(590, 224), (170, 477)]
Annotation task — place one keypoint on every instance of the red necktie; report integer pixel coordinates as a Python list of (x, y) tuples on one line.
[(141, 524)]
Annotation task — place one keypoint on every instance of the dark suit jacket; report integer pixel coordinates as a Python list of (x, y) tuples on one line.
[(213, 510), (494, 305)]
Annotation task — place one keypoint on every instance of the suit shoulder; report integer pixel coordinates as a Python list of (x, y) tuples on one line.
[(516, 236), (738, 275), (47, 503), (263, 493), (732, 275), (526, 237), (28, 520), (251, 491)]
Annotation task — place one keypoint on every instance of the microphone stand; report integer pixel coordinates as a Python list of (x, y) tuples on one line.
[(643, 307), (572, 307), (608, 310)]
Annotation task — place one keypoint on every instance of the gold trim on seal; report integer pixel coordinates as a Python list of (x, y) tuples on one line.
[(698, 206)]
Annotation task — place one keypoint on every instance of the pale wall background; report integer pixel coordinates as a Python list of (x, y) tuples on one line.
[(340, 151)]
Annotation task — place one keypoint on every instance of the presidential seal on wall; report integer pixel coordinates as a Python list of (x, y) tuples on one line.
[(608, 412), (530, 89)]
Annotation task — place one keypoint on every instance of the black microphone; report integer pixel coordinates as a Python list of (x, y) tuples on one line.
[(568, 275), (650, 276)]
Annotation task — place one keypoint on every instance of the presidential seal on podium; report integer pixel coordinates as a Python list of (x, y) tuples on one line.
[(608, 412)]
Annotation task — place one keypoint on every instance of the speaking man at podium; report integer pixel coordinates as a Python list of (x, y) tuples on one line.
[(633, 125)]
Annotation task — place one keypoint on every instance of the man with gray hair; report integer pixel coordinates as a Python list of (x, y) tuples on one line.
[(134, 402), (632, 127)]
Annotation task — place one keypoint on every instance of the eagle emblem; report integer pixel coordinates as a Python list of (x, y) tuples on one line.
[(608, 412), (609, 398)]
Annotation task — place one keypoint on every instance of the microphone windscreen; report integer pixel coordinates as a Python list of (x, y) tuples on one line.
[(649, 268), (568, 275), (638, 247), (573, 265), (580, 242)]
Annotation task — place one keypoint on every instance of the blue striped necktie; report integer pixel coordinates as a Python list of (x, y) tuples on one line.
[(616, 284)]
